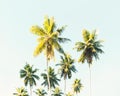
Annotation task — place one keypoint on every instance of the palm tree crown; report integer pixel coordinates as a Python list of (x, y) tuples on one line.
[(40, 92), (57, 92), (77, 86), (28, 73), (90, 47), (21, 92), (66, 66), (49, 38), (52, 77)]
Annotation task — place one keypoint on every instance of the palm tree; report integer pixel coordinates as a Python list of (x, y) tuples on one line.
[(52, 77), (40, 92), (77, 86), (21, 92), (49, 39), (66, 68), (29, 75), (57, 92), (69, 94), (90, 48)]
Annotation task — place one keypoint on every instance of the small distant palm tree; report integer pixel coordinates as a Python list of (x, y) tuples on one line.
[(29, 75), (21, 92), (40, 92), (57, 92), (77, 86), (90, 48), (69, 94), (66, 68), (49, 40), (52, 77)]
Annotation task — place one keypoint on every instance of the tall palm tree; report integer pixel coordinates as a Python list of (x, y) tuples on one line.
[(40, 92), (57, 92), (49, 39), (52, 77), (77, 86), (29, 75), (21, 92), (66, 68), (91, 47)]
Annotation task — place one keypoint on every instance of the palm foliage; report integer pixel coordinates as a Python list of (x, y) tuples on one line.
[(49, 39), (29, 75), (52, 77), (77, 86), (69, 94), (57, 92), (40, 92), (66, 67), (90, 47), (21, 92)]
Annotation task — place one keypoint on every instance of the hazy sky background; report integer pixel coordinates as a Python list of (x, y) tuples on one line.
[(17, 43)]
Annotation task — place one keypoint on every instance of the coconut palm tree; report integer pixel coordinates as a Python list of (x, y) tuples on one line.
[(29, 75), (66, 68), (40, 92), (49, 39), (57, 92), (91, 47), (69, 94), (21, 92), (52, 77), (77, 86)]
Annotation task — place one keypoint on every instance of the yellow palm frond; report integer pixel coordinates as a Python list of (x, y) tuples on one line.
[(39, 48), (85, 34), (37, 31)]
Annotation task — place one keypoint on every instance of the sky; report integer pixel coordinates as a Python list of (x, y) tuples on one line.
[(17, 43)]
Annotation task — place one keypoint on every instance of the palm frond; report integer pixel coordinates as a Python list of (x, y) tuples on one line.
[(85, 34), (37, 31)]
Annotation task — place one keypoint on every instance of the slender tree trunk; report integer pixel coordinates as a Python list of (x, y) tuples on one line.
[(90, 81), (30, 91), (48, 79), (64, 86)]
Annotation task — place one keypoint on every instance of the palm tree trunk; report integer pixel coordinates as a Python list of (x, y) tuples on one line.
[(30, 91), (64, 86), (48, 79), (49, 93), (90, 81)]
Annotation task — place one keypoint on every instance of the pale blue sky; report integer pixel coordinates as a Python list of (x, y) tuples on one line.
[(17, 43)]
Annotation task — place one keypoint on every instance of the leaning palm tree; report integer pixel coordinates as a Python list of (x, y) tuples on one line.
[(57, 92), (21, 92), (77, 86), (49, 39), (66, 68), (40, 92), (29, 75), (90, 48), (52, 77)]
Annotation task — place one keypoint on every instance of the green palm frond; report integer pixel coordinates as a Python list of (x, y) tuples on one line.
[(52, 77), (60, 30)]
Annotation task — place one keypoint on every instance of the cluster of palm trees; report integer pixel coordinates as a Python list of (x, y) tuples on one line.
[(49, 40)]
